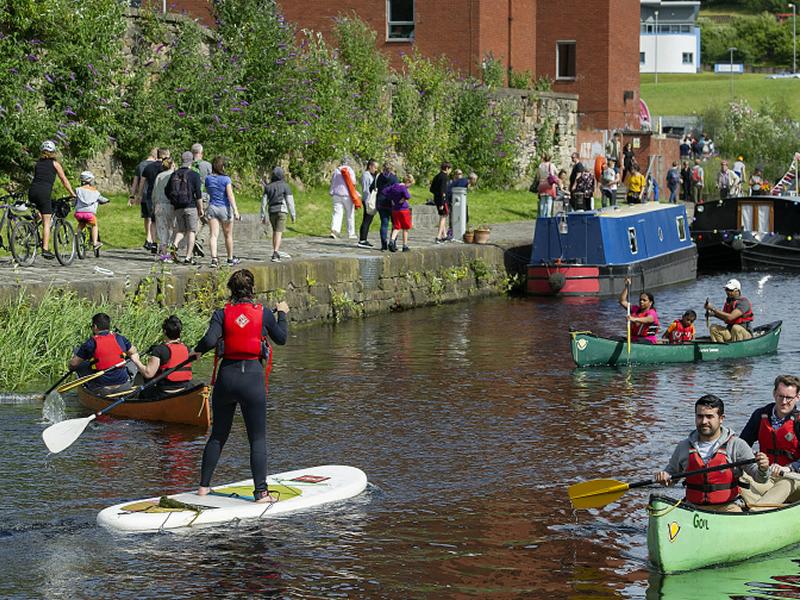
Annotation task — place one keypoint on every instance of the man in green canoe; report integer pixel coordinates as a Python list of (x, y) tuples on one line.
[(710, 445), (776, 428), (737, 312)]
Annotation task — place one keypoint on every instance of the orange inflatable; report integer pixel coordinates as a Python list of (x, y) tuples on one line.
[(351, 188)]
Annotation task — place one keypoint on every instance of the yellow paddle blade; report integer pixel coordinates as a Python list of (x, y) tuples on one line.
[(595, 493)]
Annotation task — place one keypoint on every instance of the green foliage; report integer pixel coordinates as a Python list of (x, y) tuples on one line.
[(759, 39), (492, 71), (521, 80)]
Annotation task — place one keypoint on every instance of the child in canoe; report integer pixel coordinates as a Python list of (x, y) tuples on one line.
[(681, 330), (87, 199)]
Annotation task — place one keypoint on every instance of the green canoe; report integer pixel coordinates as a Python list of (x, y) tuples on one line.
[(589, 350), (685, 537)]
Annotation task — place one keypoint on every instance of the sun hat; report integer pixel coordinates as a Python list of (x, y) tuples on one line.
[(733, 284)]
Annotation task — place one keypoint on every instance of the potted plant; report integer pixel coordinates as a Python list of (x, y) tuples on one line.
[(469, 236), (482, 234)]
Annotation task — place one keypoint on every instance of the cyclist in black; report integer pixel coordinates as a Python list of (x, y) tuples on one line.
[(44, 176)]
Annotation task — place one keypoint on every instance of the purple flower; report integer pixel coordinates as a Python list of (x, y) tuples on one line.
[(91, 68), (35, 42), (13, 70), (149, 62), (32, 58), (18, 106), (244, 103), (125, 104), (216, 118), (181, 113), (180, 89), (236, 109), (29, 87), (48, 78), (69, 112), (72, 76)]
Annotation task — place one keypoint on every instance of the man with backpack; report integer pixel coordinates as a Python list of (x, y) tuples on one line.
[(698, 182), (184, 190), (674, 182)]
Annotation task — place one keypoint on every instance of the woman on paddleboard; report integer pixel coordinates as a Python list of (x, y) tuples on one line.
[(239, 333)]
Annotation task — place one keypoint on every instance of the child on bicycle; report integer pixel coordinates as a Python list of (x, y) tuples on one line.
[(87, 200)]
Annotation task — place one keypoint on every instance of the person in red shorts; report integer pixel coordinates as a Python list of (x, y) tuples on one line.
[(399, 196)]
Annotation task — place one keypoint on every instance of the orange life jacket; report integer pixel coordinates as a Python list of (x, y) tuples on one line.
[(717, 487), (680, 334), (241, 331), (107, 351), (780, 444), (178, 352), (730, 306)]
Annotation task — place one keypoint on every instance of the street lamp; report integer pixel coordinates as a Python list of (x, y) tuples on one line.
[(794, 37), (731, 50), (656, 61)]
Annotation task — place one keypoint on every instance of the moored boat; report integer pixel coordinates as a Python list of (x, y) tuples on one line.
[(189, 407), (683, 537), (590, 350)]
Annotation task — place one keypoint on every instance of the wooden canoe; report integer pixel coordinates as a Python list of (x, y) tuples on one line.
[(683, 537), (589, 350), (189, 407)]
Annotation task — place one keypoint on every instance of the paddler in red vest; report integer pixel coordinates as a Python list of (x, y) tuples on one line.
[(681, 330), (737, 312), (776, 427), (643, 317), (239, 334), (171, 352), (107, 348), (709, 445)]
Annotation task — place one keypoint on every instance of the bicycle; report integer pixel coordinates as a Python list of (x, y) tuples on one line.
[(83, 243), (10, 214), (26, 231)]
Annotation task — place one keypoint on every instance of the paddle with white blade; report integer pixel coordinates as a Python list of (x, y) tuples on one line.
[(61, 436)]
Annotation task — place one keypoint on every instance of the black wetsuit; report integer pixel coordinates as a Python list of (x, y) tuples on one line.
[(44, 176), (240, 382)]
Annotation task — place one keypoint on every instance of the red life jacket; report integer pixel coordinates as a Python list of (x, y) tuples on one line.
[(730, 306), (107, 351), (178, 352), (780, 444), (717, 487), (681, 334), (644, 329), (241, 331)]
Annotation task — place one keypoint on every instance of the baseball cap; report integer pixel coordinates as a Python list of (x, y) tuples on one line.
[(733, 284), (186, 159), (48, 146)]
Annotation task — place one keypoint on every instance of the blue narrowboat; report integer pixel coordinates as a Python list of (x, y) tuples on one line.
[(590, 253)]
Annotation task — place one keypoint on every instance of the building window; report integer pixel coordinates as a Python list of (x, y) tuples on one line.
[(641, 58), (565, 60), (400, 19), (688, 58)]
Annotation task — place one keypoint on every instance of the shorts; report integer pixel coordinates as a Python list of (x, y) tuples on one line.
[(40, 198), (86, 218), (278, 221), (401, 219), (147, 209), (442, 209), (186, 219), (219, 212)]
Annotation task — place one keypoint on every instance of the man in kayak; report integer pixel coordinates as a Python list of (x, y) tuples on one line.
[(776, 427), (107, 349), (737, 312), (710, 445), (643, 316)]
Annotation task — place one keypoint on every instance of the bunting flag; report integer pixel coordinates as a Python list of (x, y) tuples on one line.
[(787, 181)]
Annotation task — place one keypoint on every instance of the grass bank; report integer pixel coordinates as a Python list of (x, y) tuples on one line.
[(121, 225), (692, 93)]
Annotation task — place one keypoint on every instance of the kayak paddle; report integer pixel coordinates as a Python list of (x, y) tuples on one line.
[(64, 376), (61, 436), (599, 492), (628, 296), (708, 319), (86, 378)]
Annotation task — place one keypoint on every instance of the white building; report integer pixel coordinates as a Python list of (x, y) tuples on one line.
[(669, 39)]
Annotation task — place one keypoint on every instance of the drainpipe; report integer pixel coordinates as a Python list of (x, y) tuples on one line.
[(164, 6), (508, 70)]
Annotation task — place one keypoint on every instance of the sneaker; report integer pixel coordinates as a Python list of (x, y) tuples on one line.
[(189, 261), (439, 241), (233, 261), (363, 244), (214, 262), (384, 246), (276, 257), (96, 249), (284, 255), (406, 249), (153, 248), (198, 249), (147, 245), (392, 246), (352, 237), (48, 255), (333, 235)]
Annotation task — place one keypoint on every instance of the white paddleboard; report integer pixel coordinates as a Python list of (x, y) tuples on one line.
[(296, 490)]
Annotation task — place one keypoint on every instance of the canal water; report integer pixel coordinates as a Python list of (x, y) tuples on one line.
[(470, 420)]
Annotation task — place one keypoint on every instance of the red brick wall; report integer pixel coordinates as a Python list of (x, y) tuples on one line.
[(607, 54), (195, 9), (523, 36)]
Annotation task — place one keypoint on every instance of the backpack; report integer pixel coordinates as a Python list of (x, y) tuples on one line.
[(180, 192), (696, 177)]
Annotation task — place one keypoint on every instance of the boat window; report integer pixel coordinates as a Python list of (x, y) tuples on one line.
[(763, 219), (746, 220), (757, 217), (681, 223), (632, 240)]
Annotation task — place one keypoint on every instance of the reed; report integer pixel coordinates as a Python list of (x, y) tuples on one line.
[(39, 335)]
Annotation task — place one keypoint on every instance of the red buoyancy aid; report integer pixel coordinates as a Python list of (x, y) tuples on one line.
[(645, 329), (178, 352), (242, 331), (681, 334), (730, 306), (107, 351), (716, 487), (780, 444)]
